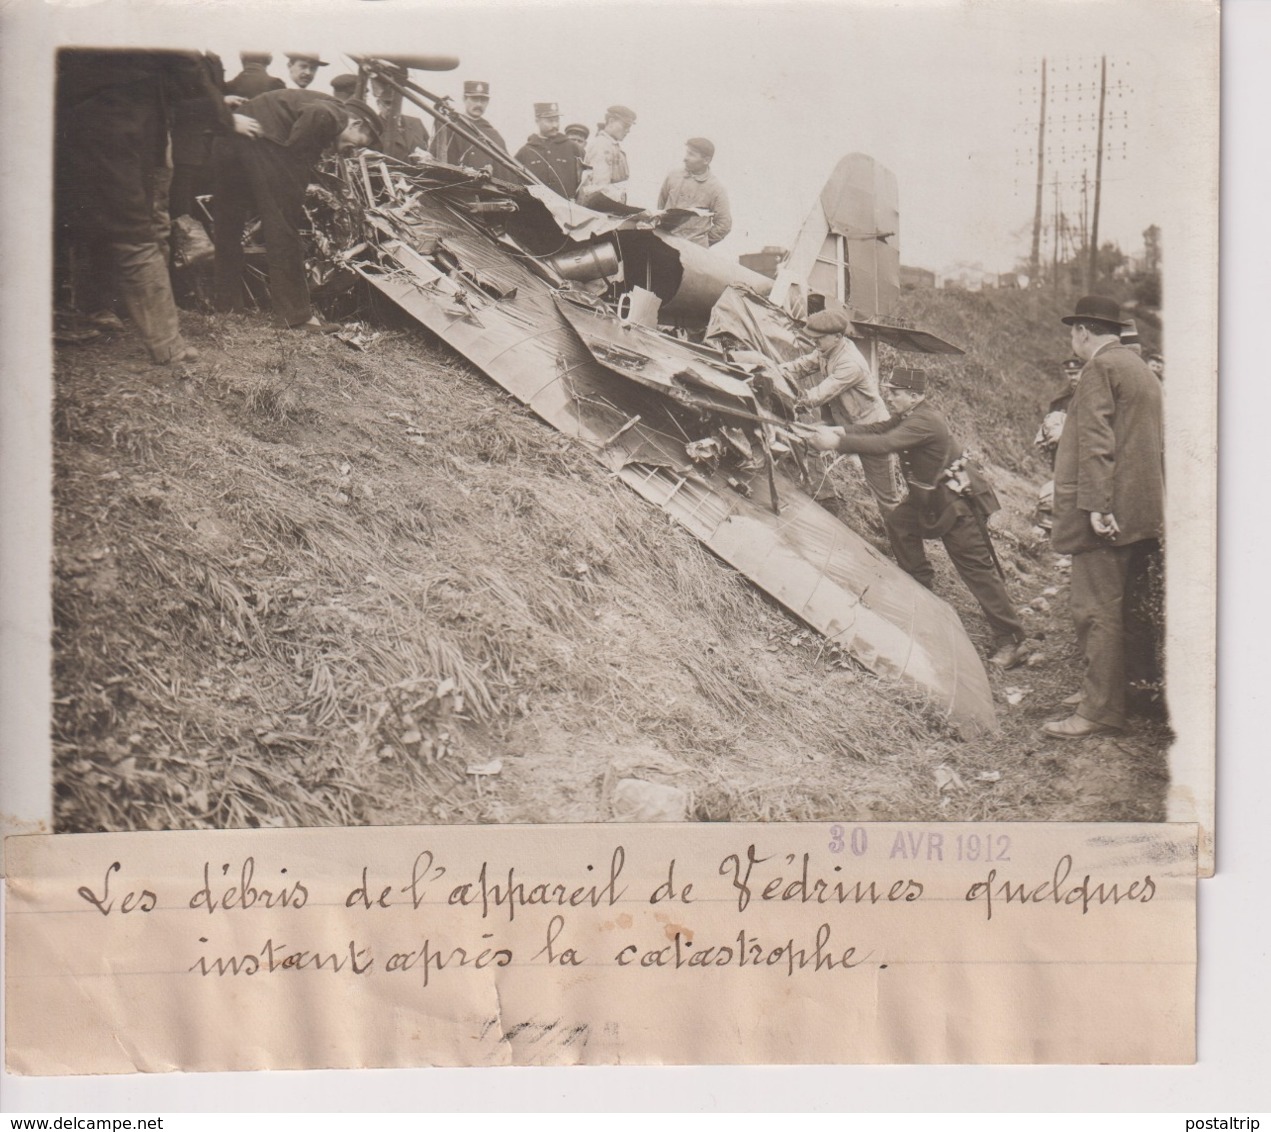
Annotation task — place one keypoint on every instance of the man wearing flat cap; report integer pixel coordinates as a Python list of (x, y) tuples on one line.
[(695, 186), (451, 147), (344, 87), (267, 176), (606, 172), (948, 499), (403, 134), (550, 155), (847, 386), (1109, 503), (302, 67), (254, 78)]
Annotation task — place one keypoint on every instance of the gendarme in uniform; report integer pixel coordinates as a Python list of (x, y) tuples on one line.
[(935, 468)]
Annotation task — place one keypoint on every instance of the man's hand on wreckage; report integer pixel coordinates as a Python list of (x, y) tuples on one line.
[(824, 438), (1104, 524), (246, 125)]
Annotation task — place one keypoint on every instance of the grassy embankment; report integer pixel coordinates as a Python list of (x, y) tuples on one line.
[(296, 584)]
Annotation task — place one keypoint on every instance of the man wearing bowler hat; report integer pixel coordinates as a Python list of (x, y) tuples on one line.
[(550, 155), (1109, 503), (695, 186), (605, 168), (948, 499), (451, 147), (302, 67)]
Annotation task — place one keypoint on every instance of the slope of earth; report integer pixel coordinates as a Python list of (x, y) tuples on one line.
[(298, 584)]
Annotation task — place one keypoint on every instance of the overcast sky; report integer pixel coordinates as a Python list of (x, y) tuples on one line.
[(942, 92)]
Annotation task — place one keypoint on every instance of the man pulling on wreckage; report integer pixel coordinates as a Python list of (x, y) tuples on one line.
[(948, 499), (269, 173)]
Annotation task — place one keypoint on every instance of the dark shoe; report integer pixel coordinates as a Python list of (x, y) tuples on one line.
[(1010, 654), (1075, 727)]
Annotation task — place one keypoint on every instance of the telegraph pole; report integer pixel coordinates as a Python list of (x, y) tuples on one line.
[(1092, 268), (1034, 262), (1054, 270)]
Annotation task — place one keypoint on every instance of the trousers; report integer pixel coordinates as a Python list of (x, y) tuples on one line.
[(970, 554), (1099, 612), (253, 175), (109, 175), (882, 473)]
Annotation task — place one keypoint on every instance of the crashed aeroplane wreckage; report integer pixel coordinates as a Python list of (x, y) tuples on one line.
[(582, 317)]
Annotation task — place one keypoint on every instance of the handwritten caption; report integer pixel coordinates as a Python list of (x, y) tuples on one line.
[(489, 897)]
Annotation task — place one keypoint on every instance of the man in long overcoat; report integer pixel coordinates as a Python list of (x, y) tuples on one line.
[(1109, 503)]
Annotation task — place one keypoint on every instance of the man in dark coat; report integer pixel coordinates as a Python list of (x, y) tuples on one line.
[(451, 147), (948, 499), (254, 78), (1109, 503), (110, 155), (551, 156), (403, 134), (268, 175)]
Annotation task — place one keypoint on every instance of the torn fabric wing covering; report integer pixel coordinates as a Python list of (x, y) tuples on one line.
[(496, 309)]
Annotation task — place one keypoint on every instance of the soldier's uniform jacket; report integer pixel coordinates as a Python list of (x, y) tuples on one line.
[(454, 149), (554, 161), (926, 448), (1111, 454)]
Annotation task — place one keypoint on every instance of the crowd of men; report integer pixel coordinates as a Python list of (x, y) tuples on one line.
[(142, 135)]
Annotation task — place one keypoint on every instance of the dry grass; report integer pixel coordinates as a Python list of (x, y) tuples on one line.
[(301, 585)]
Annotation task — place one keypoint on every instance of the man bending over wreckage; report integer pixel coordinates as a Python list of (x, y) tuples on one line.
[(268, 174), (948, 499)]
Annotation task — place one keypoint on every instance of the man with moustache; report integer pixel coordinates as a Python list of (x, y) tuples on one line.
[(695, 186), (549, 154), (451, 147), (302, 67)]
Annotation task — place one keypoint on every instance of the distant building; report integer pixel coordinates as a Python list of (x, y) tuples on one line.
[(915, 278), (765, 262), (968, 277)]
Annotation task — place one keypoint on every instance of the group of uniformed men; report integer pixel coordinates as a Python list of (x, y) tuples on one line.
[(142, 134)]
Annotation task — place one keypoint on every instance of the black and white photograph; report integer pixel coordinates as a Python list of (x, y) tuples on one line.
[(530, 414), (610, 414)]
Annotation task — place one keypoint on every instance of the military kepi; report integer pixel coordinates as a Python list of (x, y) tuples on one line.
[(476, 86), (546, 110), (308, 56), (1097, 308), (910, 380)]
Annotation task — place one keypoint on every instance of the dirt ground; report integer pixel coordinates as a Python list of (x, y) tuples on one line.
[(296, 583)]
